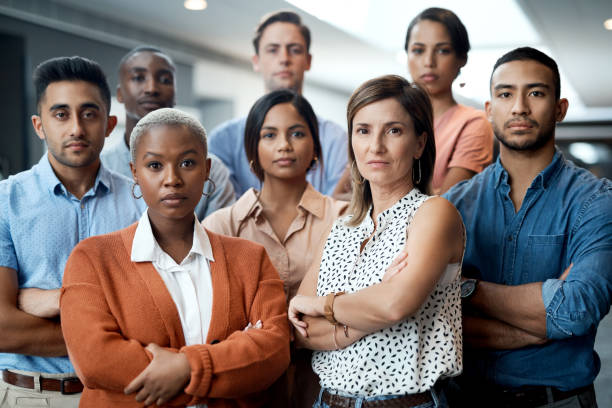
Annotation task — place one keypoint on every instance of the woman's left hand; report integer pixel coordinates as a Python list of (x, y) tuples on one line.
[(305, 305), (165, 376)]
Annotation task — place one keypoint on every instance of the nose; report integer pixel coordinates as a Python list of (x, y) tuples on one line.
[(521, 105), (77, 127), (283, 54), (430, 59), (284, 143), (377, 142), (151, 86), (172, 176)]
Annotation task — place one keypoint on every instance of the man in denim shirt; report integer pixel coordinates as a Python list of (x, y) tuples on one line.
[(539, 250), (44, 212)]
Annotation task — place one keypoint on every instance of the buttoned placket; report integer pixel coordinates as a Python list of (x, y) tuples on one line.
[(513, 224), (192, 314)]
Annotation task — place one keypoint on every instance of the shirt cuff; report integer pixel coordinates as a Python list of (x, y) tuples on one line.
[(552, 296)]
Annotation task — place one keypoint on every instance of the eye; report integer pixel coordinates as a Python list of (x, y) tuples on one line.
[(504, 95), (272, 50), (417, 50), (188, 163), (138, 78), (298, 134), (61, 115), (154, 165), (296, 50), (395, 131), (267, 135), (166, 79), (361, 131), (444, 51), (537, 93), (89, 114)]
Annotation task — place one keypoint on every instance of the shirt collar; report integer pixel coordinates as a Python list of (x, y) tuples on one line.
[(249, 205), (47, 174), (541, 180), (146, 249)]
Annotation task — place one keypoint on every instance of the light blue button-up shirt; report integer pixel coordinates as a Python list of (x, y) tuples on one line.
[(227, 142), (566, 217), (40, 223)]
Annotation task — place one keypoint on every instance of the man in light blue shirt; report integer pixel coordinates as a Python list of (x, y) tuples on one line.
[(539, 253), (146, 83), (282, 56), (44, 212)]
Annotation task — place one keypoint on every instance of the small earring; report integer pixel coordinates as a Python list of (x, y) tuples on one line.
[(134, 193), (419, 167), (212, 190), (251, 165)]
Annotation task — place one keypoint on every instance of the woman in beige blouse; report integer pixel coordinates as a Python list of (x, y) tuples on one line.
[(288, 216)]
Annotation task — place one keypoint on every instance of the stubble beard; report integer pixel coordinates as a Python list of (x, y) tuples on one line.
[(526, 145)]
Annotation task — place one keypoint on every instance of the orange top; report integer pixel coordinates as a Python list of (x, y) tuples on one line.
[(111, 308), (464, 138), (294, 255)]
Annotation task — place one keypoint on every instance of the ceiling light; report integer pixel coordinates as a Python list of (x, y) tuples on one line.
[(608, 24), (195, 4)]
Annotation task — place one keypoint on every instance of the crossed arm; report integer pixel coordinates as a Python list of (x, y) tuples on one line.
[(28, 319), (435, 239)]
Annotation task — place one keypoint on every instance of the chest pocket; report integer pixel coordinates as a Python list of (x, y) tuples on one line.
[(543, 258)]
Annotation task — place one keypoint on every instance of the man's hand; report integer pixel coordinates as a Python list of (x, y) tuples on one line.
[(165, 376), (39, 302)]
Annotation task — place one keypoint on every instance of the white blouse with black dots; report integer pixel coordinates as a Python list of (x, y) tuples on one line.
[(410, 356)]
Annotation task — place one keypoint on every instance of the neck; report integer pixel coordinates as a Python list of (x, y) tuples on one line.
[(172, 233), (524, 166), (384, 197), (130, 123), (282, 193), (77, 180), (441, 103)]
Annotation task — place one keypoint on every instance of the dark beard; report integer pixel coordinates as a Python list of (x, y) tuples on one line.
[(541, 140)]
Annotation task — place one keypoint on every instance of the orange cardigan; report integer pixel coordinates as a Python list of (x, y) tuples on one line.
[(111, 308)]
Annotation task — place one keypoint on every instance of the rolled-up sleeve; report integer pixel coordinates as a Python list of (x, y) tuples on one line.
[(575, 306)]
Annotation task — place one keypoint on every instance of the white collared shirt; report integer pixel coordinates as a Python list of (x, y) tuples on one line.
[(189, 282)]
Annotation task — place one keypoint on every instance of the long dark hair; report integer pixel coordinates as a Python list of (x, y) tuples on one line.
[(256, 118)]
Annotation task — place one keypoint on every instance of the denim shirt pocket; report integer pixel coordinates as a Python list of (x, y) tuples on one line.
[(543, 257)]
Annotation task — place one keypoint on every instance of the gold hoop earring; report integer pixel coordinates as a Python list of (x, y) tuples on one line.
[(134, 193)]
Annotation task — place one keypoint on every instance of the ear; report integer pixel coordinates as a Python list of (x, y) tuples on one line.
[(111, 122), (119, 94), (488, 110), (133, 170), (208, 165), (561, 109), (308, 62), (421, 142), (37, 125), (255, 62)]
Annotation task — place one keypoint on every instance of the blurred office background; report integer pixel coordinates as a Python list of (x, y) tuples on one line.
[(352, 41)]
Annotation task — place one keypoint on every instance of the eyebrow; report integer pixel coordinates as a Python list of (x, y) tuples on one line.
[(85, 105), (186, 152), (137, 70), (293, 44), (529, 86), (297, 125), (396, 122), (437, 44)]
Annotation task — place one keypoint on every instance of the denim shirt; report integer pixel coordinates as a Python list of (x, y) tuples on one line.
[(40, 223), (565, 217), (227, 142)]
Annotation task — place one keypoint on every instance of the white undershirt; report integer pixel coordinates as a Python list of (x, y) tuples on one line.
[(189, 282)]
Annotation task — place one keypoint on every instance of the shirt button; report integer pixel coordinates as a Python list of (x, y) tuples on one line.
[(82, 206), (509, 238)]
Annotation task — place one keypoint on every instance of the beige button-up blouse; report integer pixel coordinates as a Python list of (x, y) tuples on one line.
[(293, 255)]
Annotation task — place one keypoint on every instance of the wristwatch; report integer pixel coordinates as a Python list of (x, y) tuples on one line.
[(468, 287)]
